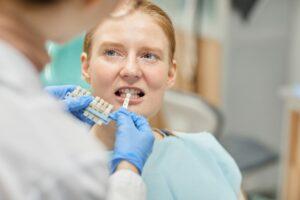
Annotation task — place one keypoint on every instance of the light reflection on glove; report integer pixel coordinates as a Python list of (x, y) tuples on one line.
[(75, 106), (134, 139)]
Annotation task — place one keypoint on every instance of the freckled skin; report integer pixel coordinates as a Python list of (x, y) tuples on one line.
[(132, 51)]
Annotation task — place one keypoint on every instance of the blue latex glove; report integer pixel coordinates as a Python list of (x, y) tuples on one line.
[(75, 106), (134, 139)]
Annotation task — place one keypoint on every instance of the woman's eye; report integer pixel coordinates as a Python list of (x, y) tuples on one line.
[(111, 53), (150, 56)]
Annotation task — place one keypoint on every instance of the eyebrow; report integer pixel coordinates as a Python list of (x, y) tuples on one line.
[(153, 49), (109, 44), (119, 45)]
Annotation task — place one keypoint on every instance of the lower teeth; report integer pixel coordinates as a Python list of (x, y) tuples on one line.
[(133, 96)]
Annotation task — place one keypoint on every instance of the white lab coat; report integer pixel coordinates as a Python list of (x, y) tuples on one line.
[(44, 152)]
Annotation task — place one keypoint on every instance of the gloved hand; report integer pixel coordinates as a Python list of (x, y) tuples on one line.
[(75, 106), (134, 139)]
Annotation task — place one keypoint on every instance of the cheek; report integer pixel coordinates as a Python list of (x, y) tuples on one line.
[(156, 79), (102, 75), (157, 84)]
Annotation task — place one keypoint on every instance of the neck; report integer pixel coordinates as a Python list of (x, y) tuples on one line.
[(26, 39), (106, 134)]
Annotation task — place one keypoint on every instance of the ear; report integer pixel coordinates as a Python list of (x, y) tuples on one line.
[(172, 74), (85, 68)]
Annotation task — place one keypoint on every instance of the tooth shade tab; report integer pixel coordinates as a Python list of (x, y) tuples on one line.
[(98, 110), (126, 101)]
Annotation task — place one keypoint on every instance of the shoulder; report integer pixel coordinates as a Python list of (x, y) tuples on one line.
[(202, 140), (205, 141), (196, 137)]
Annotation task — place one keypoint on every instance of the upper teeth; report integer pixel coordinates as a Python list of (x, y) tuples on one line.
[(129, 90)]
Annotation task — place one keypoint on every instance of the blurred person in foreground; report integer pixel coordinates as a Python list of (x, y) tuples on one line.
[(44, 152)]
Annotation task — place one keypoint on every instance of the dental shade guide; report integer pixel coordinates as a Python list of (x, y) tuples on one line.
[(126, 101), (98, 111)]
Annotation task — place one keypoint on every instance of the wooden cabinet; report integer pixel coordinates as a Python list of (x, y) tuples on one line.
[(291, 152)]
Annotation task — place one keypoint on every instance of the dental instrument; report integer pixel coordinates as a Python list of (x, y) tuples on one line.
[(98, 111), (126, 101)]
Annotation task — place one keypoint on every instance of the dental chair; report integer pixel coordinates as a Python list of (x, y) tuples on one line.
[(65, 66), (188, 112)]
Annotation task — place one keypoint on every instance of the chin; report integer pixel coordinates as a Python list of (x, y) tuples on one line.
[(139, 111), (136, 110)]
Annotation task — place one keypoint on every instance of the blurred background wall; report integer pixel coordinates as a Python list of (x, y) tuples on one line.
[(256, 68), (294, 41)]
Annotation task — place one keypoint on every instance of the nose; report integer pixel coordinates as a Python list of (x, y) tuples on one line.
[(131, 71)]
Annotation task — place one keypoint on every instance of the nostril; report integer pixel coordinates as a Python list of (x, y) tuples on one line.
[(131, 74), (130, 79)]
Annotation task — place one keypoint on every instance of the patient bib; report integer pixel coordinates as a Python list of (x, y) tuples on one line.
[(191, 166)]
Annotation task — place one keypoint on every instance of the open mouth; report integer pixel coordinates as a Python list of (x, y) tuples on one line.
[(136, 93)]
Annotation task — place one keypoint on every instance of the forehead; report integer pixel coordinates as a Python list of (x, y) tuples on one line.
[(134, 29)]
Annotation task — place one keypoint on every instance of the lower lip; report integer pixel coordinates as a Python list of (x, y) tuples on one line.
[(131, 102)]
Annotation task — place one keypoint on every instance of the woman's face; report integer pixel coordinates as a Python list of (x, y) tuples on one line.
[(130, 54)]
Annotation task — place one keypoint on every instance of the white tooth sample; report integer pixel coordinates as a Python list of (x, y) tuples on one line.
[(85, 114), (94, 103), (76, 92), (108, 109), (126, 101), (100, 104), (127, 91), (133, 91), (81, 93), (104, 107)]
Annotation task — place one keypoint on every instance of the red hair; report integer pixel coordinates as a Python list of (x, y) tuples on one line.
[(158, 15)]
